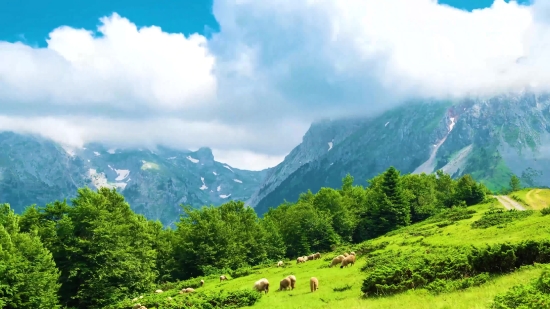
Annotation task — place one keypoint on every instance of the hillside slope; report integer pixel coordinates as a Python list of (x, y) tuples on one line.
[(487, 138), (34, 170), (425, 241)]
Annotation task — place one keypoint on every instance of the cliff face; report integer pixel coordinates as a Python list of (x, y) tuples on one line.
[(34, 170), (488, 138)]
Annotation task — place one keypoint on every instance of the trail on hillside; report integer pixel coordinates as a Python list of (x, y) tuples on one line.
[(509, 203)]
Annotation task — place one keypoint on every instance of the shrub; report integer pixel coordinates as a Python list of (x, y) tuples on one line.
[(535, 295), (499, 216), (545, 211), (342, 288), (233, 299), (448, 268)]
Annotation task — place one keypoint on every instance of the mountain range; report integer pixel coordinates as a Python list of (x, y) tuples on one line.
[(489, 138)]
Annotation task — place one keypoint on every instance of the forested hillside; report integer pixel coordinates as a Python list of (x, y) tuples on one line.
[(95, 251)]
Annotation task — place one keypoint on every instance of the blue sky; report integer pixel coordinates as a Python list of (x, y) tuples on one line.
[(34, 19)]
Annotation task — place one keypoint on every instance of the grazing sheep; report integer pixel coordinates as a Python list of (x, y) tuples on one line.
[(262, 285), (313, 284), (348, 260), (202, 282), (142, 307), (135, 299), (337, 260), (346, 254), (187, 290), (300, 260), (136, 306), (280, 263), (292, 281), (284, 284), (317, 256), (222, 278), (352, 253), (310, 257), (158, 291)]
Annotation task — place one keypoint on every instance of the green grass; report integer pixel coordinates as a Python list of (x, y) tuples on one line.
[(535, 199), (341, 288)]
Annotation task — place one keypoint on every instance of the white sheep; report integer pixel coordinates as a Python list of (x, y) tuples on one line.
[(280, 263), (349, 260), (313, 284), (262, 285), (337, 260), (292, 281)]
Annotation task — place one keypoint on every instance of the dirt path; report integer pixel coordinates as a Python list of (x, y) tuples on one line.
[(509, 203)]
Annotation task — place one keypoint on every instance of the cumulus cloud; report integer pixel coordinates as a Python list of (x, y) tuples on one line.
[(252, 89)]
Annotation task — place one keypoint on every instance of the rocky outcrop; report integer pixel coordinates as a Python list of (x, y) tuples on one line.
[(155, 182)]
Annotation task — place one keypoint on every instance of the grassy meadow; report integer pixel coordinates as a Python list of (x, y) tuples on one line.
[(536, 199), (342, 288)]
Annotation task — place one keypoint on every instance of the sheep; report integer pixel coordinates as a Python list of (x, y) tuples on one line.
[(262, 285), (169, 298), (348, 260), (135, 299), (317, 256), (300, 260), (284, 284), (346, 254), (292, 281), (187, 290), (310, 257), (336, 260), (352, 253), (280, 263), (222, 278), (313, 284), (158, 291), (141, 297), (142, 307), (202, 282), (136, 306)]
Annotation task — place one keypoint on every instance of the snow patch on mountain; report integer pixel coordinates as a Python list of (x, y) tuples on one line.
[(192, 159), (225, 196), (227, 167), (203, 187), (121, 174), (237, 180)]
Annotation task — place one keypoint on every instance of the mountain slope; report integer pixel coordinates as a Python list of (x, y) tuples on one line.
[(34, 170), (488, 138)]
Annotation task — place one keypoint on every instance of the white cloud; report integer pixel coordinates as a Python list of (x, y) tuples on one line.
[(251, 90)]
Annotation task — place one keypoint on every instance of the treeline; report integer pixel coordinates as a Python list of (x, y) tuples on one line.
[(97, 251)]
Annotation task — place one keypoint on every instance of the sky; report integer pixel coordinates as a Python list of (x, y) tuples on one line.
[(246, 78)]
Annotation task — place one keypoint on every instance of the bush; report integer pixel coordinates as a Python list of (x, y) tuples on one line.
[(448, 268), (499, 216), (535, 295), (453, 215), (233, 299), (545, 211), (445, 286), (519, 199)]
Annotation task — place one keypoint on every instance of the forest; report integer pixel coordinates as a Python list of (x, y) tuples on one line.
[(94, 251)]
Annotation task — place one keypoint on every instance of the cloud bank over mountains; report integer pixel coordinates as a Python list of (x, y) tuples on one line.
[(251, 91)]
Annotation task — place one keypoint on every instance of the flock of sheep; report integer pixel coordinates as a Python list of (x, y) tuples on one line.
[(346, 259), (262, 285)]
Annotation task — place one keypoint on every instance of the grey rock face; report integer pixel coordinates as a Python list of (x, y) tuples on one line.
[(491, 139), (34, 170)]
